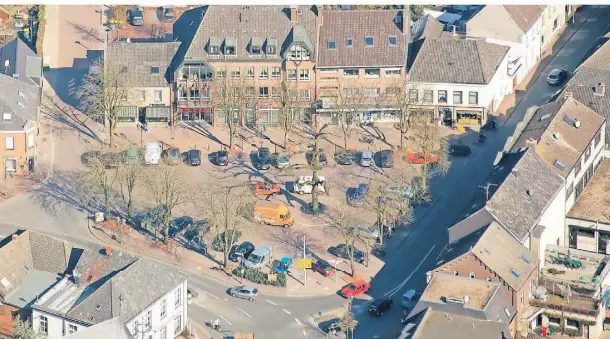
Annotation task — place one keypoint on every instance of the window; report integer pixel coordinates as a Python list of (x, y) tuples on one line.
[(352, 92), (263, 92), (178, 324), (255, 48), (332, 45), (304, 95), (587, 153), (392, 91), (44, 325), (577, 166), (163, 308), (248, 92), (163, 333), (264, 73), (72, 328), (455, 273), (10, 164), (182, 94), (554, 321), (457, 97), (368, 41), (349, 43), (178, 297), (229, 47), (488, 279), (350, 73), (428, 96), (213, 49), (569, 191), (140, 95), (250, 73), (158, 95), (391, 72), (555, 23), (194, 95), (304, 74), (235, 73), (413, 95), (10, 143), (572, 323), (473, 98), (297, 52), (275, 93), (291, 74), (148, 318), (221, 73), (371, 72), (371, 92), (30, 140), (598, 138), (7, 116), (155, 70), (472, 275), (206, 94), (442, 97), (392, 41), (276, 73)]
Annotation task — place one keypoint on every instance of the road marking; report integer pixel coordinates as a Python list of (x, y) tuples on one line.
[(404, 282), (304, 333), (297, 320), (211, 295), (285, 310), (244, 312), (271, 302), (221, 317)]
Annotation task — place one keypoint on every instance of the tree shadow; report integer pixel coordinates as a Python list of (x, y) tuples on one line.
[(70, 118), (87, 33), (202, 130), (63, 190)]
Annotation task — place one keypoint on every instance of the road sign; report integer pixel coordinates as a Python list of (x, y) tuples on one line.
[(303, 263)]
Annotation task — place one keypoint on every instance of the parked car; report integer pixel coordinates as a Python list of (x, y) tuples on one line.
[(266, 188), (303, 184), (399, 191), (193, 157), (152, 153), (332, 326), (244, 292), (263, 159), (172, 156), (259, 257), (557, 76), (358, 197), (219, 240), (355, 288), (169, 14), (273, 213), (222, 158), (282, 160), (241, 251), (323, 267), (409, 299), (380, 306), (421, 158), (89, 159), (341, 251), (460, 150), (282, 266), (346, 157), (386, 158), (366, 158), (135, 17), (131, 156)]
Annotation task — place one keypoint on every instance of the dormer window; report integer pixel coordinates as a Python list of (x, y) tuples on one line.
[(332, 45), (256, 45), (368, 41), (230, 46), (392, 40), (271, 46), (214, 46), (297, 52)]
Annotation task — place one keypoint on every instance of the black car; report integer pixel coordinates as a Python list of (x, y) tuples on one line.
[(136, 17), (386, 158), (193, 157), (346, 157), (222, 158), (358, 198), (241, 251), (380, 306), (178, 224), (219, 241), (460, 150), (341, 251), (263, 159)]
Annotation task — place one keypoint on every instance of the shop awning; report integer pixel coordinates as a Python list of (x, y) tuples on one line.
[(127, 112), (157, 112)]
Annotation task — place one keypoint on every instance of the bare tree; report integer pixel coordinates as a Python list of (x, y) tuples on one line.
[(157, 31), (289, 107), (346, 105), (392, 204), (168, 189), (129, 176), (228, 209), (106, 88), (348, 322), (315, 135), (23, 330), (344, 223), (430, 143), (99, 177)]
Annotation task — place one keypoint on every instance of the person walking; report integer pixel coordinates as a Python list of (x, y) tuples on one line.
[(217, 324)]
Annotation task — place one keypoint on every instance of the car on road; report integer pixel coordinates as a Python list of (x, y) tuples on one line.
[(219, 241), (244, 292), (380, 306), (460, 150), (222, 158), (366, 159), (557, 76), (193, 157), (241, 251), (263, 159), (346, 157), (419, 158), (355, 288), (386, 158), (341, 251), (282, 160), (89, 159), (135, 17), (266, 188), (358, 197), (172, 156), (323, 267)]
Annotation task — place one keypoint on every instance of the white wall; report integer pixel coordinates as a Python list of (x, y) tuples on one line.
[(554, 221), (57, 326)]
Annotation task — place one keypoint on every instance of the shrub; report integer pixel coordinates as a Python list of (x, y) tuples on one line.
[(260, 277)]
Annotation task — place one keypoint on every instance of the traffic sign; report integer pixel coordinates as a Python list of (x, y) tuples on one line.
[(303, 263)]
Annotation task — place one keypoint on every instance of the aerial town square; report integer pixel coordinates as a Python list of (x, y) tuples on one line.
[(285, 171)]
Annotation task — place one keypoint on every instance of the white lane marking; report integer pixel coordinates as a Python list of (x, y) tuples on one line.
[(271, 302), (285, 310), (211, 295), (244, 312), (221, 317), (402, 284), (304, 334), (297, 320)]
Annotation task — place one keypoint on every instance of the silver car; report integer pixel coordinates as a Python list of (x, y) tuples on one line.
[(244, 292), (282, 160), (366, 158)]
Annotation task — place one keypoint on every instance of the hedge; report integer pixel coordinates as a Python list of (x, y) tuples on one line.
[(260, 277)]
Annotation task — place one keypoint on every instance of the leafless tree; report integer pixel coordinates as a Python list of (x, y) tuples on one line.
[(315, 136), (345, 223), (346, 105), (430, 143), (157, 31), (130, 175), (289, 107), (99, 177), (228, 209), (348, 322)]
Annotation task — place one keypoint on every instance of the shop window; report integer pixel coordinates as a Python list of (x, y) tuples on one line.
[(442, 97), (473, 98), (413, 95), (351, 73), (428, 96), (457, 97)]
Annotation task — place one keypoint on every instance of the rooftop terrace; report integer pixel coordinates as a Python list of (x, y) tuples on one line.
[(594, 201), (478, 291)]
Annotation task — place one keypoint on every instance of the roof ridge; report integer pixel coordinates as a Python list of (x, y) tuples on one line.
[(360, 10), (480, 63)]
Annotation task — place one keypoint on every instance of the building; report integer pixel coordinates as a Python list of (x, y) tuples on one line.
[(554, 21), (516, 26), (257, 61), (149, 77), (460, 81), (361, 64)]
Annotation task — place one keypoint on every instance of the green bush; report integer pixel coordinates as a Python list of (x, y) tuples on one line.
[(573, 332), (260, 277), (555, 329)]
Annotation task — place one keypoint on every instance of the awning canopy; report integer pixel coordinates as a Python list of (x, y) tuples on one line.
[(127, 112), (157, 112)]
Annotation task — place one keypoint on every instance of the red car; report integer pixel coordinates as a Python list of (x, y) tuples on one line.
[(323, 267), (266, 188), (421, 158), (358, 287)]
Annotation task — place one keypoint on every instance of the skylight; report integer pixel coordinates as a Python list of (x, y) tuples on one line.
[(98, 307), (524, 258), (331, 45), (368, 41), (392, 41), (348, 42), (559, 165), (22, 105), (155, 70), (544, 117), (515, 273)]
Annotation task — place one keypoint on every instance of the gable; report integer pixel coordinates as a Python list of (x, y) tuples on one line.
[(494, 22)]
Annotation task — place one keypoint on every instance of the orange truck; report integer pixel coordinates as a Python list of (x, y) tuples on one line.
[(273, 213)]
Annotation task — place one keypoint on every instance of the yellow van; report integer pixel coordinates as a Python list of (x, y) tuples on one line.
[(273, 213)]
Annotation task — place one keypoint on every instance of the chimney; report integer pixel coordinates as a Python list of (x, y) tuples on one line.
[(576, 123), (108, 250), (599, 89), (405, 20), (14, 237), (77, 279), (319, 18), (293, 13), (556, 135)]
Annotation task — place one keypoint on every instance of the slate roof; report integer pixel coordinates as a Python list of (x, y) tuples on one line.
[(338, 26), (525, 16), (438, 324), (243, 23), (558, 119), (140, 57), (457, 61), (22, 61), (13, 93), (523, 196), (427, 27)]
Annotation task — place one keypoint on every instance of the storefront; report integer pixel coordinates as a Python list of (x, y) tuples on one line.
[(470, 116), (128, 114), (197, 114), (157, 115)]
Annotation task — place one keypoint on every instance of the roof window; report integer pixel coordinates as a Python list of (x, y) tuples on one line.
[(392, 40), (214, 46), (331, 44), (256, 45), (271, 46), (155, 70), (368, 41), (230, 46), (515, 273), (559, 165), (20, 104), (349, 42), (21, 94)]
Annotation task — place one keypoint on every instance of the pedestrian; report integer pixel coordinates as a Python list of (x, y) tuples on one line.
[(217, 324)]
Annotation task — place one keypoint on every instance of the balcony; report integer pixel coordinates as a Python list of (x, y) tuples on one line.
[(580, 306)]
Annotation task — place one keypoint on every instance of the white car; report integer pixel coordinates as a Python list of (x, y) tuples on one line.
[(282, 160), (152, 153), (303, 184), (400, 190)]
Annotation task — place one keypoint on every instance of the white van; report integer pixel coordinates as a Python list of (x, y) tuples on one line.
[(366, 158), (303, 184), (152, 153), (259, 257)]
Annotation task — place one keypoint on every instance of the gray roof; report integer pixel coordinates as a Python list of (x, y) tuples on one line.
[(35, 284), (113, 328), (525, 16), (22, 61), (19, 98), (427, 27), (438, 324), (523, 196), (338, 26), (457, 61), (140, 57)]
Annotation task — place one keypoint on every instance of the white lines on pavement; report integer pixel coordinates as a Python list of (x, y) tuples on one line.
[(404, 282), (271, 302), (297, 320), (285, 310), (244, 312), (221, 317), (304, 333), (211, 295)]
